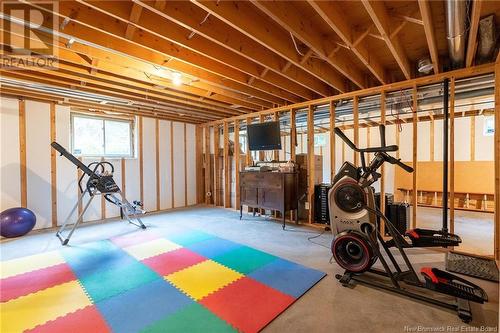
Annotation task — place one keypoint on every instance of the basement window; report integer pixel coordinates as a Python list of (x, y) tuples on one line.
[(489, 126), (95, 136)]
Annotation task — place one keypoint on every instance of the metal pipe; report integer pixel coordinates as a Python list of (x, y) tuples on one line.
[(456, 30)]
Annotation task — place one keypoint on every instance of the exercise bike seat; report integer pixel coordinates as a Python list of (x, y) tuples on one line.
[(432, 238), (450, 284)]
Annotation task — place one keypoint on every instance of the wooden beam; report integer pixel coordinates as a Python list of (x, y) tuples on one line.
[(355, 112), (185, 167), (79, 174), (103, 202), (332, 141), (276, 153), (200, 181), (237, 165), (243, 16), (311, 164), (172, 173), (473, 30), (208, 172), (452, 155), (408, 84), (497, 162), (432, 140), (248, 156), (141, 158), (430, 36), (336, 19), (262, 155), (53, 165), (381, 19), (189, 16), (22, 153), (217, 186), (473, 137), (157, 162), (415, 158), (227, 183), (135, 13), (287, 16), (293, 135), (382, 170)]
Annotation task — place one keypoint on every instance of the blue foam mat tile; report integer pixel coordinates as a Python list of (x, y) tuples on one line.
[(288, 277), (138, 308), (213, 247)]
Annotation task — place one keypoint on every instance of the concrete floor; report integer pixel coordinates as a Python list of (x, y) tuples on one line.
[(475, 228), (327, 307)]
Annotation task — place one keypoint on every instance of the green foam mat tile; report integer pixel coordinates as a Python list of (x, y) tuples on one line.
[(244, 259)]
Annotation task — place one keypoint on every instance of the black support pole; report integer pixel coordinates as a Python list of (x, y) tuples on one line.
[(445, 154)]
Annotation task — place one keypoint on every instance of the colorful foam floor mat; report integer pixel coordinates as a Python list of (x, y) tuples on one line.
[(189, 281)]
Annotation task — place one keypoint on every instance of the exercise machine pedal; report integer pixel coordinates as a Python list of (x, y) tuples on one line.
[(453, 285), (432, 238)]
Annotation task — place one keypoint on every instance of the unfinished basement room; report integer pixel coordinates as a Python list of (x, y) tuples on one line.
[(249, 166)]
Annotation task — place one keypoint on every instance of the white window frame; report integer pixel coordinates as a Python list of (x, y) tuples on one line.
[(130, 121)]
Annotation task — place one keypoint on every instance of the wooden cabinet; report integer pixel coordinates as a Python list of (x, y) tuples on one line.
[(269, 190)]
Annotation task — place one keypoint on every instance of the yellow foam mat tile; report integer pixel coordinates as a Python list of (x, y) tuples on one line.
[(35, 309), (203, 279), (30, 263), (151, 248)]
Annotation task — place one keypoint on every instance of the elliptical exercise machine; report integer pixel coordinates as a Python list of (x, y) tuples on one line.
[(358, 243), (99, 181)]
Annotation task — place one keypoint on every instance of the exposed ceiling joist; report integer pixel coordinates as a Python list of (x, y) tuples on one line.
[(335, 18), (430, 35), (381, 19), (473, 30)]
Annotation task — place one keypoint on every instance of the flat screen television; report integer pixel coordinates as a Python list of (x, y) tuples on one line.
[(264, 136)]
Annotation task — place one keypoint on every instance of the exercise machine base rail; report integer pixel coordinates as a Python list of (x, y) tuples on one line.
[(461, 306)]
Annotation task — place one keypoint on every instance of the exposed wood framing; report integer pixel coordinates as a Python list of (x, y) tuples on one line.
[(473, 137), (276, 153), (217, 186), (79, 173), (497, 161), (415, 159), (355, 112), (208, 172), (103, 202), (293, 135), (310, 157), (200, 181), (332, 141), (382, 170), (452, 155), (22, 153), (53, 165), (248, 156), (227, 181), (431, 139), (141, 158), (382, 20), (425, 10), (473, 30), (336, 19), (185, 167), (237, 166), (262, 155), (172, 179), (157, 162)]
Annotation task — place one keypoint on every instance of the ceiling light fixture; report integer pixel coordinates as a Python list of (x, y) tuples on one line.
[(177, 78)]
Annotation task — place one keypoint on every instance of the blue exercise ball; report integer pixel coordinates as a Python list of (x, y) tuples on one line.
[(15, 222)]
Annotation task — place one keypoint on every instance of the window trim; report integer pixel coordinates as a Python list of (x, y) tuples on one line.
[(103, 118)]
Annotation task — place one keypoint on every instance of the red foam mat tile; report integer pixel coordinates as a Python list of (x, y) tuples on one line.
[(248, 305), (82, 321), (173, 261), (27, 283)]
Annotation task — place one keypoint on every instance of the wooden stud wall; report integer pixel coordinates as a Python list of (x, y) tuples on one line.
[(355, 113), (172, 203), (237, 166), (22, 153), (452, 155), (310, 158), (157, 162), (293, 135), (248, 156), (415, 159), (199, 164), (227, 181), (185, 167), (208, 169), (382, 169), (141, 160), (216, 166), (332, 140), (53, 165), (497, 161)]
